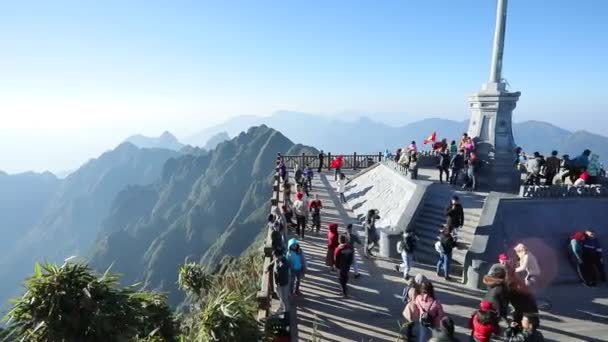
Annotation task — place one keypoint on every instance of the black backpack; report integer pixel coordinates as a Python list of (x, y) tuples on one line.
[(281, 272), (426, 319), (276, 240), (409, 244)]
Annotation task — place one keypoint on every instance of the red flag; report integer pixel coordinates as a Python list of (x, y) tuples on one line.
[(432, 138)]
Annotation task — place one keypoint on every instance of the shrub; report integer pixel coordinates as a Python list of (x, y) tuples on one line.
[(73, 303)]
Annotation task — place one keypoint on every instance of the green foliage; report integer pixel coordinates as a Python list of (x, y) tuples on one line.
[(194, 280), (72, 303), (226, 309), (229, 317)]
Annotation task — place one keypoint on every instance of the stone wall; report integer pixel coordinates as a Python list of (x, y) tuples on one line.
[(394, 195), (544, 224), (561, 191)]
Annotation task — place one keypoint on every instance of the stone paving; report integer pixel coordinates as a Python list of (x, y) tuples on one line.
[(373, 311)]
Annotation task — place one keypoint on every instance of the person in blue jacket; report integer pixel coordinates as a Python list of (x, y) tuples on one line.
[(297, 265)]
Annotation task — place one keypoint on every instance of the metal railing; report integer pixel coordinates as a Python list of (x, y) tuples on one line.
[(264, 296), (351, 161), (395, 166)]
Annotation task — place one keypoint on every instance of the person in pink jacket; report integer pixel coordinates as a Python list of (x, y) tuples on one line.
[(429, 310)]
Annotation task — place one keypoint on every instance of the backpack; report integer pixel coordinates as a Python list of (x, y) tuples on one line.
[(426, 319), (409, 244), (281, 272)]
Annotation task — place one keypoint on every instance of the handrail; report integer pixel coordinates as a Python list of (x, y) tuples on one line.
[(395, 166), (352, 161), (264, 296)]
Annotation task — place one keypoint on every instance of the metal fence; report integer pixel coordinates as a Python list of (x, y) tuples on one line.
[(351, 161), (264, 296), (395, 166)]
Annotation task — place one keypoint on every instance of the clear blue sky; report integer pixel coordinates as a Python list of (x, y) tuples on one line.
[(78, 76)]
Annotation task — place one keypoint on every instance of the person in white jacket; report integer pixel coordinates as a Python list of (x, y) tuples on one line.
[(528, 264), (341, 186)]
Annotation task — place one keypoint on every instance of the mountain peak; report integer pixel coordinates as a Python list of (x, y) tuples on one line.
[(168, 136), (216, 140), (165, 140)]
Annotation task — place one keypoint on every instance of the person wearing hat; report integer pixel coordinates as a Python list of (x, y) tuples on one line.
[(447, 332), (497, 293), (297, 265), (484, 323)]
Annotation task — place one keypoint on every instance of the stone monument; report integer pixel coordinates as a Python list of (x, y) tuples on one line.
[(490, 124)]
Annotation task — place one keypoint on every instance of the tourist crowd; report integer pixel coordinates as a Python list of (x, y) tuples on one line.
[(514, 284), (458, 163), (585, 169)]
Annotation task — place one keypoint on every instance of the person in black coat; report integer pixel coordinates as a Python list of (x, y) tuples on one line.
[(444, 165), (497, 293), (321, 159), (455, 213)]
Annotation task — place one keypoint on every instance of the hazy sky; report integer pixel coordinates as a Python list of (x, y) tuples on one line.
[(77, 77)]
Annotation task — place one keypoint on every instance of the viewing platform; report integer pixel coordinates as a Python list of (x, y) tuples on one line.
[(373, 311)]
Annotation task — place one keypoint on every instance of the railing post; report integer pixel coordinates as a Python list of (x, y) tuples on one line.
[(354, 160), (328, 161), (302, 163), (379, 156)]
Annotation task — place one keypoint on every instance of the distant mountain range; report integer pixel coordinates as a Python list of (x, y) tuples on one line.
[(170, 142), (368, 136), (144, 211)]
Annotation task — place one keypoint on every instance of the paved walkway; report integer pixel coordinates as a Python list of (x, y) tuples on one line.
[(373, 311)]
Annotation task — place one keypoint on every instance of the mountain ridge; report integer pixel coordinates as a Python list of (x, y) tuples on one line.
[(365, 135), (205, 208), (65, 220)]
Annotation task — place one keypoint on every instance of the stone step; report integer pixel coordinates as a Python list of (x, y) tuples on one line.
[(440, 210), (423, 257), (470, 214), (458, 253), (431, 219), (463, 234), (428, 221)]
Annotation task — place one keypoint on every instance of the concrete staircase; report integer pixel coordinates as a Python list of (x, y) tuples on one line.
[(428, 221)]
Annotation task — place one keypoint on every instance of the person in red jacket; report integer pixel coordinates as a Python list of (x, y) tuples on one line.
[(332, 243), (315, 207), (336, 164), (343, 259), (484, 322)]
